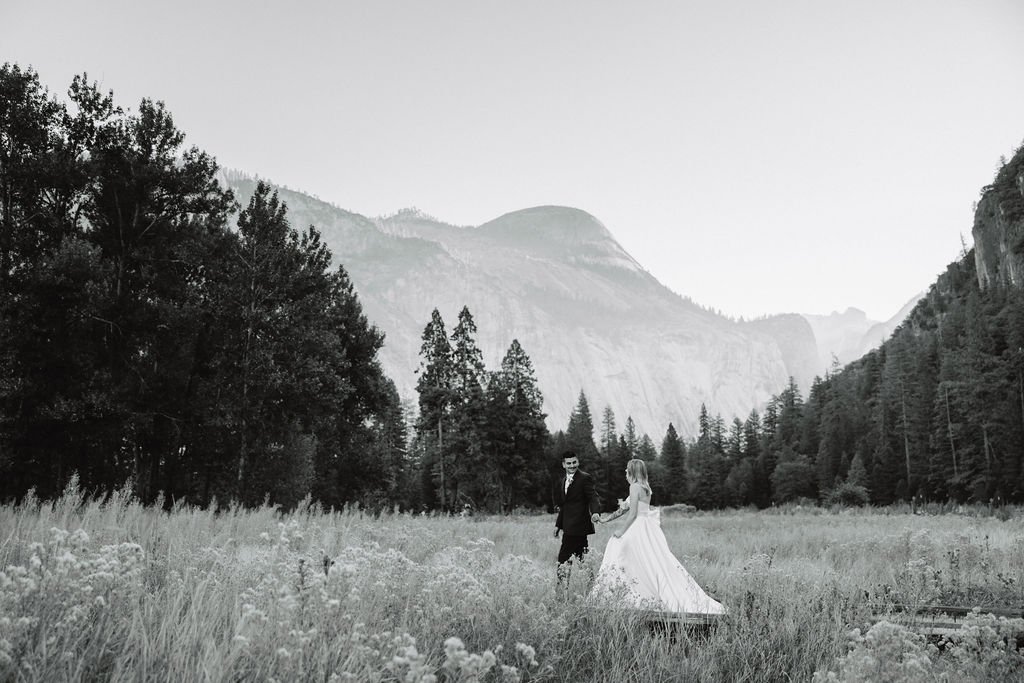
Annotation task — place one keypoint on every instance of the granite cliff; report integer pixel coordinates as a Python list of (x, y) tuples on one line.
[(999, 227)]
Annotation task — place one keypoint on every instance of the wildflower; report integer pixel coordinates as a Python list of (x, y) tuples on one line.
[(528, 653), (453, 647), (887, 652), (79, 539), (509, 673)]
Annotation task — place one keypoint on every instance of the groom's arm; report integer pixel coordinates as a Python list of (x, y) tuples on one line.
[(555, 504), (593, 500)]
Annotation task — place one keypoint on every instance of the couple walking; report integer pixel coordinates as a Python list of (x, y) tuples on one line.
[(637, 559)]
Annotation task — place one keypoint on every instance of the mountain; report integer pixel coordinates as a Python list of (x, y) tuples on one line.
[(586, 312), (850, 334)]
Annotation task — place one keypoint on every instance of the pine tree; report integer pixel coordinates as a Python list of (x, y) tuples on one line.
[(608, 434), (436, 391), (516, 433), (610, 474), (791, 405), (646, 450), (470, 480), (718, 435), (752, 435), (673, 459), (632, 441), (390, 445), (580, 435), (734, 442)]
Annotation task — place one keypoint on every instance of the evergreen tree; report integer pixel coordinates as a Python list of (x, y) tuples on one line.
[(790, 414), (470, 479), (580, 435), (390, 446), (632, 440), (752, 435), (734, 441), (673, 459), (809, 439), (371, 410), (646, 450), (436, 393), (718, 435), (609, 480), (516, 432), (608, 434)]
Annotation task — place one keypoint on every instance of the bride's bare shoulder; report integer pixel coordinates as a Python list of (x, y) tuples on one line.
[(633, 486), (641, 492)]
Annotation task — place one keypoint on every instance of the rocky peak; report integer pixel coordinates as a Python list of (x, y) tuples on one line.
[(999, 227), (561, 224), (561, 233)]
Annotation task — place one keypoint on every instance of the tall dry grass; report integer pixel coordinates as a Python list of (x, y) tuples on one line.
[(110, 590)]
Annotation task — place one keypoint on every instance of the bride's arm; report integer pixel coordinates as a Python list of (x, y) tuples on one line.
[(623, 509), (634, 501)]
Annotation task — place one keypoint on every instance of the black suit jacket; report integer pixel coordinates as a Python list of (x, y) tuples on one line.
[(576, 505)]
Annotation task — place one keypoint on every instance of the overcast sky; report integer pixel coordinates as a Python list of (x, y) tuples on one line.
[(759, 157)]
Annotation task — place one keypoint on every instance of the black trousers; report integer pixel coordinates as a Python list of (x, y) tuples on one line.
[(572, 546)]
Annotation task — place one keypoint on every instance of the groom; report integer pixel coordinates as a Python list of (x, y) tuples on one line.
[(578, 504)]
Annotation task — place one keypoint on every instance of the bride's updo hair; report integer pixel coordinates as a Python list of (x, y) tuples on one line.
[(637, 471)]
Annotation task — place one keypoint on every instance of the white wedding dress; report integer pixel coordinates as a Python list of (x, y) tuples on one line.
[(639, 569)]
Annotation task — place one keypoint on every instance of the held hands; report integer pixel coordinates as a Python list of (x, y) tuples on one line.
[(596, 518)]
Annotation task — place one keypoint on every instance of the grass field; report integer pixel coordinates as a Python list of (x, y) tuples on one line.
[(113, 591)]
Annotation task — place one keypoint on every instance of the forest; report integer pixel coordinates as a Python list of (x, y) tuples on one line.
[(156, 335)]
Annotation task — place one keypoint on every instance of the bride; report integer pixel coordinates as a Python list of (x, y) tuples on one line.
[(638, 561)]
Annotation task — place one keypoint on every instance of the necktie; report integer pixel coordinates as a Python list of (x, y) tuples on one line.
[(568, 482)]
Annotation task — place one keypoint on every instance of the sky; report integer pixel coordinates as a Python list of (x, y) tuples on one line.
[(758, 157)]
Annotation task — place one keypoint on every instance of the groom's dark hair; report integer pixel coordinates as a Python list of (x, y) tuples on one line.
[(569, 454)]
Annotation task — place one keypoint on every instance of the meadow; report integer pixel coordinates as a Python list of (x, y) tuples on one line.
[(110, 590)]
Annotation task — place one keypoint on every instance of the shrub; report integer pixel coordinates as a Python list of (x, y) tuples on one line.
[(848, 495)]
